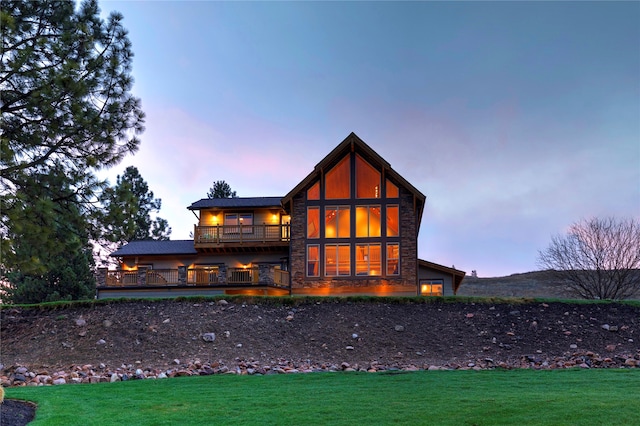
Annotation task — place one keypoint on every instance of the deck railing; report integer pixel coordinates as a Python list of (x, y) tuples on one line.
[(197, 276), (281, 278), (242, 276), (161, 276), (202, 276), (120, 278), (241, 233)]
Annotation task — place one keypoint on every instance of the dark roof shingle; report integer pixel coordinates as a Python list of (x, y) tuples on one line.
[(155, 247), (236, 202)]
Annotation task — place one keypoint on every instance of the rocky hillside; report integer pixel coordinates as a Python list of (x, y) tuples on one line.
[(97, 342)]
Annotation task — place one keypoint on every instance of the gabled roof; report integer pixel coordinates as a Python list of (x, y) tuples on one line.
[(155, 247), (236, 202), (457, 274), (350, 143)]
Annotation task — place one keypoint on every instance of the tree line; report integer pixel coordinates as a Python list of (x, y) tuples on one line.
[(67, 112)]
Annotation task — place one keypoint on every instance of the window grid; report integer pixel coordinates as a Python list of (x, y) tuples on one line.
[(393, 259), (337, 260), (368, 221), (337, 222), (368, 261), (313, 260)]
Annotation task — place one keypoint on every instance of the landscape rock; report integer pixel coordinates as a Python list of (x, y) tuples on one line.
[(318, 340), (209, 337)]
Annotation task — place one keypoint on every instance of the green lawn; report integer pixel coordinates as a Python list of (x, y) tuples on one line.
[(559, 397)]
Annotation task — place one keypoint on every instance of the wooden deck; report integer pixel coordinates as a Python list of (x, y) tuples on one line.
[(241, 238), (192, 282)]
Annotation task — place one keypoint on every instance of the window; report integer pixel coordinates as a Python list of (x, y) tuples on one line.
[(313, 193), (313, 222), (367, 221), (368, 259), (431, 287), (337, 260), (393, 259), (337, 222), (392, 190), (392, 221), (338, 181), (285, 229), (313, 260), (367, 180), (233, 221)]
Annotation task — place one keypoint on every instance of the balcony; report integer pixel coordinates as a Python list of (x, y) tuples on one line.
[(237, 238), (230, 277)]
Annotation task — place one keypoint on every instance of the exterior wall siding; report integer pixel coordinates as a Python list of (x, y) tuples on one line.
[(431, 274)]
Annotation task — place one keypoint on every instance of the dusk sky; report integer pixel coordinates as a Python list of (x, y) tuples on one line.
[(515, 119)]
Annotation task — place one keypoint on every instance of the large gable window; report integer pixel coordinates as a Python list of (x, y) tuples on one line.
[(337, 222), (392, 190), (313, 222), (392, 221), (367, 221), (368, 259), (313, 260), (393, 259), (313, 193), (367, 180), (338, 181), (337, 260)]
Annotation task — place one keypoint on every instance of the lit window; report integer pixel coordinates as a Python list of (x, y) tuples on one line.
[(338, 181), (367, 180), (368, 259), (367, 221), (313, 260), (337, 260), (393, 259), (337, 222), (313, 222), (234, 221), (392, 221), (392, 190), (314, 192), (431, 287)]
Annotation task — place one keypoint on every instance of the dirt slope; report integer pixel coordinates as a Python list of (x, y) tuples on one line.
[(155, 333)]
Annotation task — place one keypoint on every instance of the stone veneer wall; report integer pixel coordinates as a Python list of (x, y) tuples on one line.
[(408, 251)]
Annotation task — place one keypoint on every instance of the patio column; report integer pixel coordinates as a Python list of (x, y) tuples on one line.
[(101, 277), (142, 276), (182, 275)]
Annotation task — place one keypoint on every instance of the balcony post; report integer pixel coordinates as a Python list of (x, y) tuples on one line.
[(101, 277), (142, 276), (222, 274), (265, 275), (182, 275)]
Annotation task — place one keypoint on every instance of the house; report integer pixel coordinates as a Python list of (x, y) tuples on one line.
[(350, 227)]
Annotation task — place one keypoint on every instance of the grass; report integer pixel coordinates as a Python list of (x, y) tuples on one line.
[(557, 397), (300, 300)]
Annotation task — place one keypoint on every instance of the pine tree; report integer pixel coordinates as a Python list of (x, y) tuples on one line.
[(221, 189), (128, 208)]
